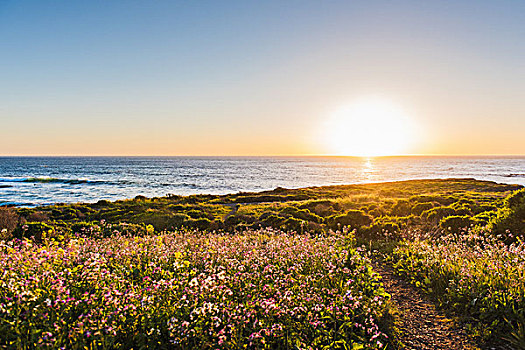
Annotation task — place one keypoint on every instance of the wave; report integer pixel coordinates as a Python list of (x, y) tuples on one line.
[(182, 185), (54, 180), (515, 175)]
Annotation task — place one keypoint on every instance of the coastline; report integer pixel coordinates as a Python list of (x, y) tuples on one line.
[(377, 206)]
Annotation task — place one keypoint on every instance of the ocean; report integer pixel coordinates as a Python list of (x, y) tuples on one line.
[(30, 181)]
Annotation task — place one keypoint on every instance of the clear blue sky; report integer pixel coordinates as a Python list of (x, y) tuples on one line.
[(256, 77)]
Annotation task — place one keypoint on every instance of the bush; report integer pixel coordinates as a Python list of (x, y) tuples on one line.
[(456, 222), (382, 227), (443, 200), (35, 230), (515, 200), (478, 209), (87, 228), (159, 219), (302, 214), (353, 218), (436, 214), (198, 214), (512, 217), (322, 208), (237, 219), (272, 221), (401, 208), (202, 224), (293, 224), (266, 214), (176, 220), (66, 213), (419, 208), (9, 219), (37, 216), (461, 209), (484, 218)]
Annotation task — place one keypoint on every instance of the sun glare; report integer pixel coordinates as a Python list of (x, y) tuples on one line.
[(368, 128)]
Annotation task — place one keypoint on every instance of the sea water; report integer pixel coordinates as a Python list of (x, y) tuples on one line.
[(29, 181)]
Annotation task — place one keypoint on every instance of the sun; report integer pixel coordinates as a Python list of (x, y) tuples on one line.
[(369, 127)]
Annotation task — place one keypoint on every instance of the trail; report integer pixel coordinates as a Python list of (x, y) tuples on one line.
[(233, 206), (421, 325)]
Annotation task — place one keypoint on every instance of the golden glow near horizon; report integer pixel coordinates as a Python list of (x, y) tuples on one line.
[(369, 127), (262, 78)]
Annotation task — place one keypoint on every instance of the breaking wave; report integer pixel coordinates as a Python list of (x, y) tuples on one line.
[(55, 180)]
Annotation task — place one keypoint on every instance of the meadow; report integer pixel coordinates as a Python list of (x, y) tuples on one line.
[(257, 289), (280, 269)]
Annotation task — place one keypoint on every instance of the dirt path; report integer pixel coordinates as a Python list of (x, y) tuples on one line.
[(233, 206), (421, 325)]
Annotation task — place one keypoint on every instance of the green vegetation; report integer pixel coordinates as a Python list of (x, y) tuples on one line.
[(477, 276), (371, 209), (459, 240)]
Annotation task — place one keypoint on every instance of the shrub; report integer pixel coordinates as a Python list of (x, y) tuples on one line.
[(237, 219), (198, 214), (461, 208), (35, 230), (37, 216), (377, 212), (478, 209), (512, 217), (443, 200), (293, 224), (436, 214), (159, 220), (102, 203), (9, 219), (455, 223), (87, 228), (272, 221), (401, 208), (516, 199), (303, 214), (201, 224), (266, 214), (353, 218), (322, 208), (176, 220), (178, 207), (484, 218), (382, 227), (419, 208)]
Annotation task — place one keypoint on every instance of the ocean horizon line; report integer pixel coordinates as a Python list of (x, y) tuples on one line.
[(275, 156)]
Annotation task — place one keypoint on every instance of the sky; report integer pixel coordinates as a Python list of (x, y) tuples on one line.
[(261, 77)]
